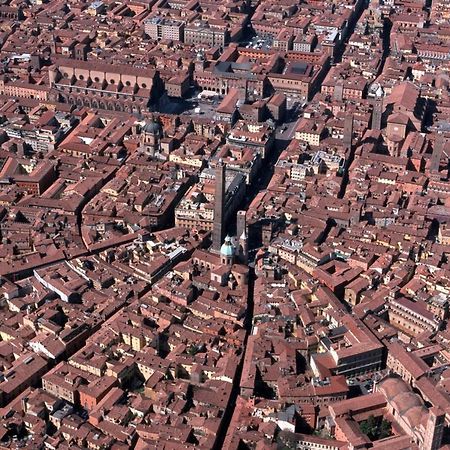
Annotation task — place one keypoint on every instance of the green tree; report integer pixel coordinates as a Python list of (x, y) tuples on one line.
[(375, 428), (385, 429), (369, 427), (192, 350)]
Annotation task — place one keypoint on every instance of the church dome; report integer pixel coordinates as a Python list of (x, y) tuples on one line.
[(227, 248), (151, 127)]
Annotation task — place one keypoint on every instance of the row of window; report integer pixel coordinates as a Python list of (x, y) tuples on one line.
[(111, 81)]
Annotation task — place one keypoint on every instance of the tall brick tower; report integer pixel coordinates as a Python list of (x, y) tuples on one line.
[(348, 133), (377, 113), (434, 429), (241, 233), (241, 223), (219, 206)]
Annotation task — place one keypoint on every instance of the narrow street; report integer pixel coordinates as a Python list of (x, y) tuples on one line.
[(248, 324)]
